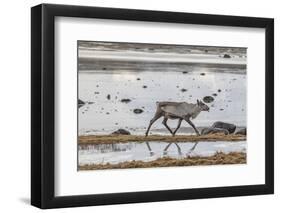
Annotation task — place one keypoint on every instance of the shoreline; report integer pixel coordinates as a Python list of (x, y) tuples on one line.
[(109, 139), (217, 159)]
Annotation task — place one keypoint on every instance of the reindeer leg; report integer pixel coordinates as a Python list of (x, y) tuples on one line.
[(193, 126), (155, 118), (166, 148), (149, 148), (164, 122), (179, 149), (192, 148), (179, 124)]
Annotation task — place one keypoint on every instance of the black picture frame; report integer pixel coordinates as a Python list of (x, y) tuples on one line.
[(43, 105)]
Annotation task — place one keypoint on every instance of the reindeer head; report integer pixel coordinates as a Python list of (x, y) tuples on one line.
[(202, 106)]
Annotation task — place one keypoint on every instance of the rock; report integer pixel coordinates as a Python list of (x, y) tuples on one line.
[(211, 130), (90, 102), (226, 56), (108, 96), (222, 125), (121, 132), (219, 90), (97, 93), (208, 99), (214, 94), (144, 86), (126, 100), (138, 79), (80, 103), (184, 72), (138, 111), (183, 90), (242, 131), (202, 73)]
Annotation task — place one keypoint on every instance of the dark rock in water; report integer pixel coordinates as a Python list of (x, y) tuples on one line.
[(108, 96), (208, 99), (144, 86), (80, 103), (183, 90), (211, 130), (126, 100), (242, 131), (214, 94), (121, 132), (138, 111), (226, 56), (202, 73), (184, 72), (222, 125)]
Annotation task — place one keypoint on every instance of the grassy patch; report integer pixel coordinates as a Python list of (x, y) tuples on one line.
[(217, 159), (108, 139)]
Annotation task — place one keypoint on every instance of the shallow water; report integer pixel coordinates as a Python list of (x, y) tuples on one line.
[(103, 115), (121, 152)]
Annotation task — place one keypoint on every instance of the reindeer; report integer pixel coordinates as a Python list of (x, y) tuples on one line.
[(177, 110)]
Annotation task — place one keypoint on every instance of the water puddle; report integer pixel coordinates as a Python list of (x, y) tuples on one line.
[(121, 152)]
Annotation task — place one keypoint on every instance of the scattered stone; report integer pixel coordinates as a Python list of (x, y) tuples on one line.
[(90, 102), (226, 56), (104, 68), (107, 113), (121, 132), (97, 93), (219, 90), (214, 94), (221, 109), (138, 111), (138, 79), (208, 99), (126, 100), (144, 86), (211, 130), (108, 96), (222, 125), (242, 131), (184, 72), (202, 73), (183, 90)]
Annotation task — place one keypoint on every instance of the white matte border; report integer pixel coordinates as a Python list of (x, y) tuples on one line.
[(70, 182)]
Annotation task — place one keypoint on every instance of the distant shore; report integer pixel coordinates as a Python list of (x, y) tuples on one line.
[(217, 159), (109, 139)]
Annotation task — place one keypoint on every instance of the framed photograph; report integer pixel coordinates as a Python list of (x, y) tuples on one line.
[(136, 106)]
